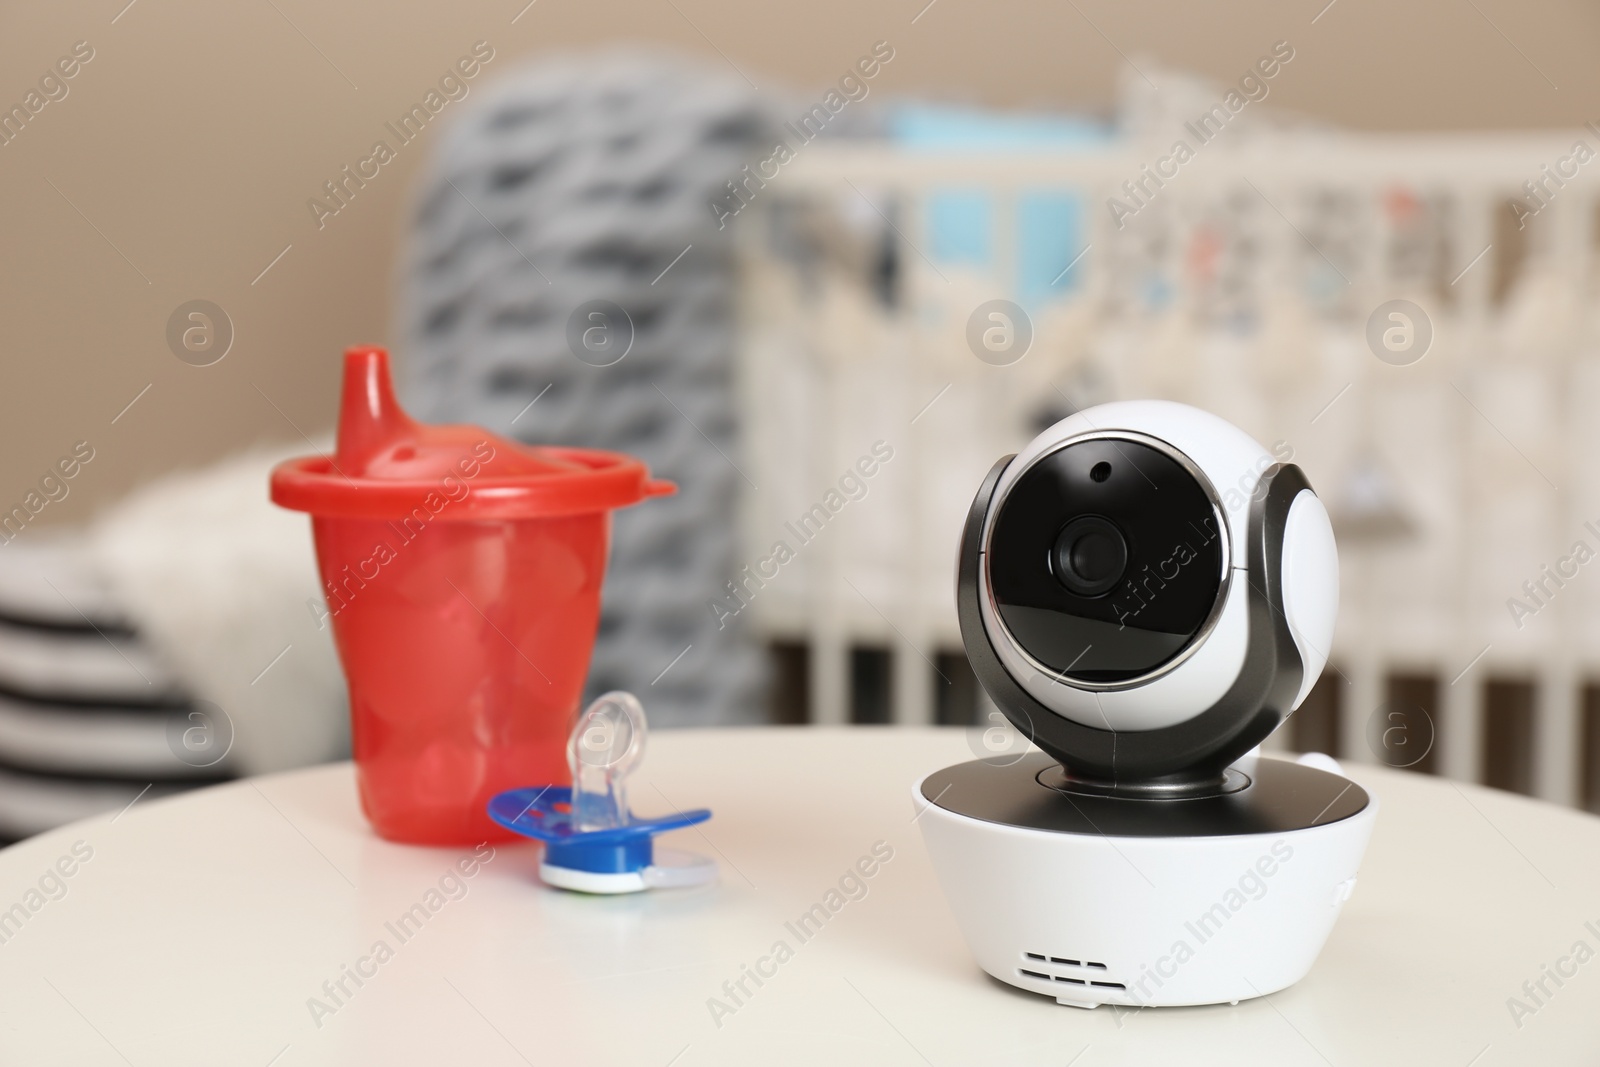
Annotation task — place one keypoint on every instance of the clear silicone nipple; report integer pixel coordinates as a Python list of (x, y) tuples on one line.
[(606, 746)]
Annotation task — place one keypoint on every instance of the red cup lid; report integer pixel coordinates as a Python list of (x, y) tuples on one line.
[(386, 465)]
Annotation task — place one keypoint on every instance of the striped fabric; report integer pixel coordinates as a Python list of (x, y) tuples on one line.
[(86, 708)]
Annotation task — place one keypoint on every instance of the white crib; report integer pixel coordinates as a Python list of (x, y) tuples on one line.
[(1243, 285)]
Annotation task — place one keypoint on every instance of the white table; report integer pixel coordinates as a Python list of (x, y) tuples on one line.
[(201, 926)]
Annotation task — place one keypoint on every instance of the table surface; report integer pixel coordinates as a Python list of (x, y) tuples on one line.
[(201, 927)]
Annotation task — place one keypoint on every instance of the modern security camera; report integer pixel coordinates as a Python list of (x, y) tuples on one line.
[(1146, 593)]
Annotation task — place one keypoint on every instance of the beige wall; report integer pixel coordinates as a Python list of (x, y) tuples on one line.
[(194, 137)]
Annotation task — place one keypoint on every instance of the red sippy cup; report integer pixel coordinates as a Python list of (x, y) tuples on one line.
[(462, 574)]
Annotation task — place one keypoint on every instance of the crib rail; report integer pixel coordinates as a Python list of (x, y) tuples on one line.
[(1243, 282)]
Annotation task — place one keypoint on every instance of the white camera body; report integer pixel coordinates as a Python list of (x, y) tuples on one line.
[(1146, 593)]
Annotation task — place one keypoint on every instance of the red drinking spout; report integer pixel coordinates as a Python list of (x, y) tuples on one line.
[(370, 418)]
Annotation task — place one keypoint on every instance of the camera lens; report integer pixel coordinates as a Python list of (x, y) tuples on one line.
[(1090, 556)]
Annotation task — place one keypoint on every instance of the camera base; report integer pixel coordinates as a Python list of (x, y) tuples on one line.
[(1095, 899)]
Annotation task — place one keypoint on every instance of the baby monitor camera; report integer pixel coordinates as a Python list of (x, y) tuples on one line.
[(1146, 593)]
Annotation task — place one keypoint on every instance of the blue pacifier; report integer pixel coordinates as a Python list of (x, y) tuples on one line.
[(593, 843)]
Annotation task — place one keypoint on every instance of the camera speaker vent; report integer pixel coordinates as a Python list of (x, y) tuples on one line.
[(1080, 977)]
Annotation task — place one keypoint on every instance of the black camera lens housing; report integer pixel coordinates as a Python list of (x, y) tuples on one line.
[(1090, 556), (1107, 560)]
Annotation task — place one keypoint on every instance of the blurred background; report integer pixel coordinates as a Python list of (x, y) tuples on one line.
[(828, 239)]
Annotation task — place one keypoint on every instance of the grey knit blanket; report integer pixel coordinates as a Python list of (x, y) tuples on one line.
[(582, 181)]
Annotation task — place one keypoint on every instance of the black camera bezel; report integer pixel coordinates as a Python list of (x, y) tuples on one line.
[(1224, 574)]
